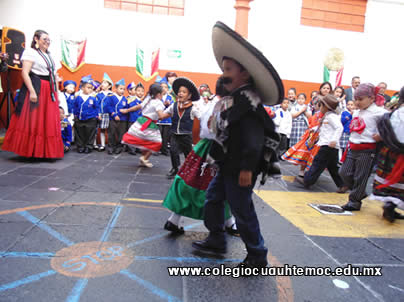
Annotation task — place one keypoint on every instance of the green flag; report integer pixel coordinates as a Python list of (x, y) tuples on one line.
[(326, 74)]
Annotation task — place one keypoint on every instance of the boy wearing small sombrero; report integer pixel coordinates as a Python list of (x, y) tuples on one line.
[(182, 115), (241, 125), (327, 157)]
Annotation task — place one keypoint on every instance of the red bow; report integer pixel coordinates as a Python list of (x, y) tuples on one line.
[(357, 125)]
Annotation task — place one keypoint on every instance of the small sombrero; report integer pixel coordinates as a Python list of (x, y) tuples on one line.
[(227, 43), (183, 81)]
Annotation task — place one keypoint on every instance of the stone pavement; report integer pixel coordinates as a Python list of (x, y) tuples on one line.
[(89, 228)]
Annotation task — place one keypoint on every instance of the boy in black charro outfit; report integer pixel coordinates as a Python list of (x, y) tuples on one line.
[(242, 129)]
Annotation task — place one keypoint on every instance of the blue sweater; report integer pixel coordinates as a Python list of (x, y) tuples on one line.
[(346, 119), (102, 101), (114, 105), (85, 107), (132, 102), (67, 133), (168, 120)]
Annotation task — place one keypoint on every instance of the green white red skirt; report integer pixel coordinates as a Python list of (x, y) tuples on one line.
[(148, 139), (187, 193)]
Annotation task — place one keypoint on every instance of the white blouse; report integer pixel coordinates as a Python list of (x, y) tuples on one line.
[(150, 108), (39, 66)]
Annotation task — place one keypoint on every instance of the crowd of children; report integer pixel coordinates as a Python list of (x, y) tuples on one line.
[(326, 132)]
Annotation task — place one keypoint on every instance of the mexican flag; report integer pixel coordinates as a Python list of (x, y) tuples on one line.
[(73, 53), (147, 63)]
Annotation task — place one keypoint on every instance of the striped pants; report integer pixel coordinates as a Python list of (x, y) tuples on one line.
[(355, 173)]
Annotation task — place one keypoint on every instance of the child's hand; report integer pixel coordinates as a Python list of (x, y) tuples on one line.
[(245, 178), (99, 118), (377, 137), (332, 144), (124, 111), (117, 118)]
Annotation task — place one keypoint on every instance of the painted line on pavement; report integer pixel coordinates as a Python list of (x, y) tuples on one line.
[(45, 227), (143, 200), (155, 290), (189, 259), (111, 224), (77, 290), (26, 280), (26, 255)]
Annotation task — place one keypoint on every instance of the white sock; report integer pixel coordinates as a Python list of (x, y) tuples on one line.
[(230, 222), (102, 136), (175, 218)]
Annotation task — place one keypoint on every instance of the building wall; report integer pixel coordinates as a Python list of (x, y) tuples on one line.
[(296, 51)]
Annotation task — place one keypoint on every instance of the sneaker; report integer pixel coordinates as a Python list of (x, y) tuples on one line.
[(208, 246), (169, 226), (102, 148), (95, 147)]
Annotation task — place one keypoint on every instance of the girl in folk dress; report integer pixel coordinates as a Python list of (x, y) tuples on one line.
[(144, 134)]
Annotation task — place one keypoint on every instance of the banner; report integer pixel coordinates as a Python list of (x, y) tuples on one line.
[(147, 63), (73, 53)]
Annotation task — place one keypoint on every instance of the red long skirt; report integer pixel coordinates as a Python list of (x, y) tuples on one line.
[(36, 131)]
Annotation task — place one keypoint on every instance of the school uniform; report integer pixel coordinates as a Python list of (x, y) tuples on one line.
[(299, 125), (66, 134), (361, 153), (116, 129), (346, 118), (283, 123), (181, 132), (86, 111), (102, 103), (165, 125)]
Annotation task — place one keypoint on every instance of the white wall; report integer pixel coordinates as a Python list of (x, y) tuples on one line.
[(296, 51)]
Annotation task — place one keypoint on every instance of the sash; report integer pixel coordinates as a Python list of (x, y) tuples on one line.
[(51, 68)]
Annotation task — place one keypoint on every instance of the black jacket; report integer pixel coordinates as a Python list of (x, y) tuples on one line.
[(248, 124)]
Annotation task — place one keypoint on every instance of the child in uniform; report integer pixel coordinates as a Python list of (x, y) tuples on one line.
[(85, 115), (300, 115), (66, 130), (165, 124), (105, 87), (133, 100), (118, 123), (361, 151), (283, 123), (346, 118)]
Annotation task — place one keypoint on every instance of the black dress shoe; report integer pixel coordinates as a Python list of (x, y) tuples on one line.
[(80, 150), (388, 211), (118, 150), (110, 151), (398, 215), (253, 263), (350, 206), (169, 226), (231, 231), (172, 173), (87, 150), (208, 246)]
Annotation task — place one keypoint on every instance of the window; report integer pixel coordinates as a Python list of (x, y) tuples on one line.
[(161, 7), (337, 14)]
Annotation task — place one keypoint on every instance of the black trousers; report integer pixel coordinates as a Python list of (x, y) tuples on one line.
[(165, 137), (283, 144), (179, 143), (326, 158), (116, 130), (85, 132)]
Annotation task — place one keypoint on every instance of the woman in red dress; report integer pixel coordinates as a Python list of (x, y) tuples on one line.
[(35, 126)]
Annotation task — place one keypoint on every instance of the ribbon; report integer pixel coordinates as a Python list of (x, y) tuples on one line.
[(147, 123)]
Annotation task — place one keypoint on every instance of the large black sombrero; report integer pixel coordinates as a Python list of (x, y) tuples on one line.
[(183, 81), (227, 43)]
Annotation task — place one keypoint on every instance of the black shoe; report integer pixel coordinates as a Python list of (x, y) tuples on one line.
[(165, 153), (110, 151), (397, 215), (209, 247), (350, 206), (132, 152), (118, 150), (95, 147), (172, 173), (169, 226), (388, 211), (253, 263), (80, 150), (233, 232), (101, 149), (87, 150)]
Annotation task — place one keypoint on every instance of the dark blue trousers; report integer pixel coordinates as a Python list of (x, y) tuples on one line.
[(239, 198)]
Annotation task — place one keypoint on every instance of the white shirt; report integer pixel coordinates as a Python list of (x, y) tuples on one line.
[(39, 66), (283, 122), (397, 123), (370, 116), (194, 111), (330, 130), (150, 108)]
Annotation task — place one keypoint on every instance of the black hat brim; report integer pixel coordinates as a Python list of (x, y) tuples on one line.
[(227, 43), (183, 81)]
